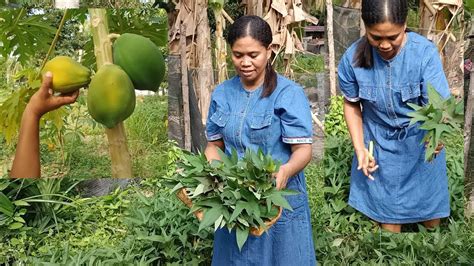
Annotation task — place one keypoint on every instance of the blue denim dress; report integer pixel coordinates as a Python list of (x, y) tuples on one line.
[(245, 120), (406, 189)]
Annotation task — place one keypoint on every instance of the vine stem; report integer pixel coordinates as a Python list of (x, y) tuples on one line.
[(55, 40)]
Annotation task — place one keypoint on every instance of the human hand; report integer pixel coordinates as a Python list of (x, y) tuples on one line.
[(44, 101), (281, 177), (367, 163), (438, 148)]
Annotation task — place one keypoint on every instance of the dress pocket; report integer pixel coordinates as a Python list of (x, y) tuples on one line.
[(259, 127), (220, 118), (368, 93)]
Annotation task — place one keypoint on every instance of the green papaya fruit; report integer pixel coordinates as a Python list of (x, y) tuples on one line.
[(141, 59), (68, 75), (111, 96)]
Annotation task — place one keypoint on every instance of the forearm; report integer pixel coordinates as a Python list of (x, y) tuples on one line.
[(211, 150), (353, 117), (300, 157), (26, 163)]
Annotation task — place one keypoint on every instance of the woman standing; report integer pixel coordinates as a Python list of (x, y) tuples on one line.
[(260, 109), (379, 75)]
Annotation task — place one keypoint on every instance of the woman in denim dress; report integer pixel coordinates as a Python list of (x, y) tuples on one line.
[(260, 109), (379, 75)]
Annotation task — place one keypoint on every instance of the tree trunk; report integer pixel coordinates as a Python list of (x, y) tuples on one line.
[(203, 77), (332, 59), (193, 14), (468, 148), (120, 156), (468, 187), (221, 48)]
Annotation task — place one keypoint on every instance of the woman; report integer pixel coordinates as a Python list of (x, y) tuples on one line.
[(26, 163), (379, 75), (260, 109)]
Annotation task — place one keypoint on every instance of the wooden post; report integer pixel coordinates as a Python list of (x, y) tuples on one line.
[(332, 59), (185, 88), (119, 154), (221, 53)]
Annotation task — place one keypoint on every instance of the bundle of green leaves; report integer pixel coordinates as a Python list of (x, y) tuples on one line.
[(440, 118), (237, 193)]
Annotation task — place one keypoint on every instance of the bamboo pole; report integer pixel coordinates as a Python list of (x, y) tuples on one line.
[(332, 59), (119, 154), (185, 88)]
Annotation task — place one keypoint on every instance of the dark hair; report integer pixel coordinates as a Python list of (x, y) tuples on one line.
[(258, 29), (374, 12)]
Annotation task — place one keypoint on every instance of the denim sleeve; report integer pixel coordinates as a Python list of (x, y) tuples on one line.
[(433, 74), (213, 130), (347, 81), (295, 115)]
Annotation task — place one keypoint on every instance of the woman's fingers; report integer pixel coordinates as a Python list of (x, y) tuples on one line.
[(439, 148)]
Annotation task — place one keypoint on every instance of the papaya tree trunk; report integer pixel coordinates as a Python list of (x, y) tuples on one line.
[(119, 154)]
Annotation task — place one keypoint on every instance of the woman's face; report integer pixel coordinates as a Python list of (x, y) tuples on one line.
[(386, 37), (250, 58)]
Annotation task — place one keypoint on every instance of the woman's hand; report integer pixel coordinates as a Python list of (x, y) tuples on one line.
[(44, 101), (300, 157), (26, 163), (281, 177), (439, 148), (367, 163)]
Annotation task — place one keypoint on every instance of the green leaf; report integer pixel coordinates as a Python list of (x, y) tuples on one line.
[(210, 217), (14, 226), (242, 235), (337, 242), (278, 200), (434, 97), (198, 191), (238, 209), (21, 203), (218, 222), (415, 106), (6, 206), (19, 219)]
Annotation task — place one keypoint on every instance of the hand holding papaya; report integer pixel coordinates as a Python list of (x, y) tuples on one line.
[(44, 101)]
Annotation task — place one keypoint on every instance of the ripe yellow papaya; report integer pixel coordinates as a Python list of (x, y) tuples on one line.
[(141, 59), (68, 75), (111, 96)]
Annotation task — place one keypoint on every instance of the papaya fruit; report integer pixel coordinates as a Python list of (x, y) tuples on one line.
[(68, 75), (111, 96), (141, 59)]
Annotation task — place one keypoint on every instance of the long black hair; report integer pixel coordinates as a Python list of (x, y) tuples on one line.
[(374, 12), (259, 30)]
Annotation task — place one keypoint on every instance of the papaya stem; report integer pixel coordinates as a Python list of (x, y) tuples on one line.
[(53, 44)]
